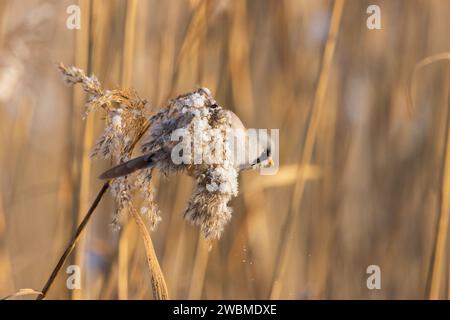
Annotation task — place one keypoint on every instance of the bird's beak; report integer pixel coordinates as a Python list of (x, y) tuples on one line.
[(270, 162)]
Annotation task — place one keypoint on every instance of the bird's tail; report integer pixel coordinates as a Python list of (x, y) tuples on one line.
[(128, 167)]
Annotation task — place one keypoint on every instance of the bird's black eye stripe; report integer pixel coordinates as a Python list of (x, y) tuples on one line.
[(258, 160)]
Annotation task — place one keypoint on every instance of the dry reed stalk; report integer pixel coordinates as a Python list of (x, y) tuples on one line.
[(440, 251), (194, 46), (247, 238), (6, 279), (440, 245), (19, 149), (127, 66), (21, 133), (158, 282), (186, 63), (157, 272), (175, 232), (316, 115), (21, 293), (166, 68), (199, 269), (320, 267), (436, 269), (159, 286), (73, 242), (448, 271), (239, 63), (254, 200), (238, 67), (174, 261), (243, 99), (421, 64), (188, 56), (129, 42), (286, 176), (3, 16), (109, 283), (122, 262), (83, 57)]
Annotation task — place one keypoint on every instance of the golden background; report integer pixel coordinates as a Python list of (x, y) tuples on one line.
[(364, 178)]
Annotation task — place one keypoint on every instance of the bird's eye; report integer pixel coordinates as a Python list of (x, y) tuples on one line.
[(269, 152), (258, 160)]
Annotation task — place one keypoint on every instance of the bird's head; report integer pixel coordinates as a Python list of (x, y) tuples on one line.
[(263, 152)]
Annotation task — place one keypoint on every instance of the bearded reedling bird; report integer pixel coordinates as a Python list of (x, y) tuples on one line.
[(199, 115)]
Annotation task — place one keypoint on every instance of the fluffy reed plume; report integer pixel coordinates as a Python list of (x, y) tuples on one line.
[(196, 113), (125, 125), (125, 121)]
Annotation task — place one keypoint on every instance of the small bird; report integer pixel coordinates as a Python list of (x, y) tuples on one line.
[(204, 126), (158, 147)]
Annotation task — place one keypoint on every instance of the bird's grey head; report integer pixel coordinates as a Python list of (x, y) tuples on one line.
[(252, 148)]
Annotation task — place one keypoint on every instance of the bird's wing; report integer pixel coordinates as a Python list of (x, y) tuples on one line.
[(128, 167)]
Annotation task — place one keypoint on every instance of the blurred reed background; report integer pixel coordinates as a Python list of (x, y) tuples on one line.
[(362, 181)]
